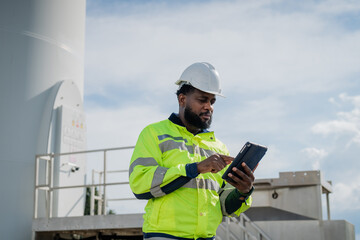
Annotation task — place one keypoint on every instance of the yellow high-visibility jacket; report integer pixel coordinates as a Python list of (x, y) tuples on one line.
[(181, 203)]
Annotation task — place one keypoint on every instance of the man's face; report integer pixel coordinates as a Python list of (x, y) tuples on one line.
[(199, 109)]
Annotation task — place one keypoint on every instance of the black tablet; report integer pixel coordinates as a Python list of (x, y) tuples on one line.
[(251, 154)]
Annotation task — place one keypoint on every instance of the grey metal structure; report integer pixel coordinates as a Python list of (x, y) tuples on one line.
[(288, 207)]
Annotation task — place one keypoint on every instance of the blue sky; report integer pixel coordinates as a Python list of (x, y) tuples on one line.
[(289, 69)]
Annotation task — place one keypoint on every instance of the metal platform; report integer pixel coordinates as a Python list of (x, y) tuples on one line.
[(126, 226)]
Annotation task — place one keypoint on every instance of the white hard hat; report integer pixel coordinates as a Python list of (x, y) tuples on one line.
[(202, 76)]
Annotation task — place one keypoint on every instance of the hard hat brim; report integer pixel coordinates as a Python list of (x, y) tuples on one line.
[(182, 82)]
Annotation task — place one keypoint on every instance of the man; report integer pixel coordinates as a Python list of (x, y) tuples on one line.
[(177, 164)]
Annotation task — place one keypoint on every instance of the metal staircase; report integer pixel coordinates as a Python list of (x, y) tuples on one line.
[(240, 228)]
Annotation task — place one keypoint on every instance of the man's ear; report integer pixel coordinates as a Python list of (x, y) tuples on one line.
[(182, 100)]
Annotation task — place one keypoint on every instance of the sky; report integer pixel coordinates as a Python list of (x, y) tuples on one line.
[(290, 71)]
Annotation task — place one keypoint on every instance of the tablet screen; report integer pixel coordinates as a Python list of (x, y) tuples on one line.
[(251, 154)]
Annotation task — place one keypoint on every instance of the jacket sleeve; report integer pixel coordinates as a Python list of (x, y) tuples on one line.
[(147, 177), (231, 205)]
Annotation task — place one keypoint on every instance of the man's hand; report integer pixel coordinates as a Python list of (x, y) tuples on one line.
[(214, 163), (246, 182)]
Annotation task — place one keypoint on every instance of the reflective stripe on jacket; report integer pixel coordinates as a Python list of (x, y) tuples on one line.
[(181, 202)]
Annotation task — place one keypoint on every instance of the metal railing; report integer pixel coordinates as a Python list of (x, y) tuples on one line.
[(245, 224), (49, 188), (99, 197)]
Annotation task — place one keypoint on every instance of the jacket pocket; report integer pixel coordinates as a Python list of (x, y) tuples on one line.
[(153, 218)]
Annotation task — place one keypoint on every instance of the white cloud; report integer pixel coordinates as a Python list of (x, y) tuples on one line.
[(273, 162), (347, 195), (248, 42), (355, 100), (315, 155), (347, 123), (260, 114), (335, 126), (119, 127), (342, 140), (338, 7)]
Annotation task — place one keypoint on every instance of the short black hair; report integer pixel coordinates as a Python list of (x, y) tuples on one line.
[(185, 89)]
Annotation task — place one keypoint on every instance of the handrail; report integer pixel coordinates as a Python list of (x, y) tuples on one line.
[(86, 151), (230, 235), (256, 227), (49, 175), (241, 222)]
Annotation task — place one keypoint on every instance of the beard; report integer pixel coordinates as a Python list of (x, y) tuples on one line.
[(195, 120)]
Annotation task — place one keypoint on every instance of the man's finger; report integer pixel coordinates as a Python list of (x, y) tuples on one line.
[(248, 170), (241, 174), (227, 159), (237, 182), (220, 161)]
